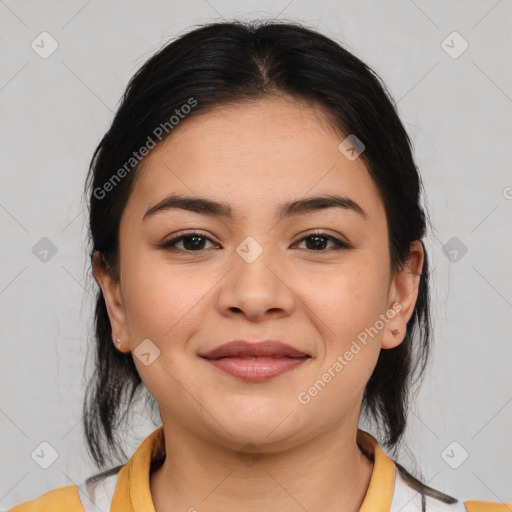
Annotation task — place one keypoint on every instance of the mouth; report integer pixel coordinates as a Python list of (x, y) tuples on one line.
[(255, 362), (246, 349)]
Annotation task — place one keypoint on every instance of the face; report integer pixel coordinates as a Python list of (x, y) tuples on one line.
[(316, 279)]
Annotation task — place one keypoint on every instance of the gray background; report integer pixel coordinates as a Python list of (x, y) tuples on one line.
[(458, 113)]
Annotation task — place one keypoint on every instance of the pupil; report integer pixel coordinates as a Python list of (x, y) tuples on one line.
[(194, 245), (317, 238)]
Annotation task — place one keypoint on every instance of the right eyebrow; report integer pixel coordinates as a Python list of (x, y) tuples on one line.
[(192, 204)]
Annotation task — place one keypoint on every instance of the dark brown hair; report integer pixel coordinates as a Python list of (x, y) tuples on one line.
[(236, 61)]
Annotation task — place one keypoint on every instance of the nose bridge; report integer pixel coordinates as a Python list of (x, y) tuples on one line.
[(250, 250), (253, 262)]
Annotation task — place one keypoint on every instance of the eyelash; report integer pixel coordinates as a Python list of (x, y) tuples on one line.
[(170, 244)]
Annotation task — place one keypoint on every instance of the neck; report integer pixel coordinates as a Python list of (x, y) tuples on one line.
[(328, 473)]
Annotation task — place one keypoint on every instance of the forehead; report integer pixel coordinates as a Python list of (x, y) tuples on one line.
[(253, 155)]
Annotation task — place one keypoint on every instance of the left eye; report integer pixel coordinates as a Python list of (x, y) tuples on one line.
[(318, 242)]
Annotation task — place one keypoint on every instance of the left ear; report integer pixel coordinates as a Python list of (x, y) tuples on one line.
[(403, 294)]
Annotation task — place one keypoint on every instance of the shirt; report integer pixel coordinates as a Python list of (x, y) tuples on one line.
[(128, 489)]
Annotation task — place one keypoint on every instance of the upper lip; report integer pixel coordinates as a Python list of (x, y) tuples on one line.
[(267, 348)]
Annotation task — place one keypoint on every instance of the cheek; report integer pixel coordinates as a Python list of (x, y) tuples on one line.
[(163, 304), (347, 300), (345, 307), (161, 299)]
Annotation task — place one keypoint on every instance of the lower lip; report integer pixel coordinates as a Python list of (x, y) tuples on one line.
[(256, 370)]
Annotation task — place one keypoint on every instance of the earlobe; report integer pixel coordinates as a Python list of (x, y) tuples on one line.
[(403, 294), (111, 290)]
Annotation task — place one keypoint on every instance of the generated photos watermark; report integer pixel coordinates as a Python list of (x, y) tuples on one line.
[(158, 133), (304, 397)]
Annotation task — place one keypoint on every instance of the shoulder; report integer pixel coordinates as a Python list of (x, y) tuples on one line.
[(63, 499), (96, 496), (487, 506), (410, 495)]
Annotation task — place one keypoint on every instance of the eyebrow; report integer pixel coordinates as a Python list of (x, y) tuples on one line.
[(285, 210)]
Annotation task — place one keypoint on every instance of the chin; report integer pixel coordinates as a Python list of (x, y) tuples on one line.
[(270, 428)]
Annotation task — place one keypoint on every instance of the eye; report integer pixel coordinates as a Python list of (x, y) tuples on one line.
[(192, 242), (319, 240)]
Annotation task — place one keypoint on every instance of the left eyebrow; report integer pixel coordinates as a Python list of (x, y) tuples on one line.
[(285, 210), (315, 203)]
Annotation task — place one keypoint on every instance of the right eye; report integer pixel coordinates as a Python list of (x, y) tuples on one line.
[(192, 242)]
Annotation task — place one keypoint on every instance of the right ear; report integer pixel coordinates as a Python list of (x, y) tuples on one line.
[(111, 289)]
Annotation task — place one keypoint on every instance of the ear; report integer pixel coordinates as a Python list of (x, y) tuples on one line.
[(111, 289), (403, 294)]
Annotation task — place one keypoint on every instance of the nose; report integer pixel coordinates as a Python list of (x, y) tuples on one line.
[(257, 285)]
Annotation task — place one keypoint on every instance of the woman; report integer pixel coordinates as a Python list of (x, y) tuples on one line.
[(256, 234)]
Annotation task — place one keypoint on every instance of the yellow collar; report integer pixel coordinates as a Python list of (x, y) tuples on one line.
[(133, 493), (380, 490)]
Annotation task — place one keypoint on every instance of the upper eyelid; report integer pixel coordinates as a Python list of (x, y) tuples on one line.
[(194, 232)]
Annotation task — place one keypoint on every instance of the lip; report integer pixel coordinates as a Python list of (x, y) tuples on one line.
[(255, 361), (243, 348)]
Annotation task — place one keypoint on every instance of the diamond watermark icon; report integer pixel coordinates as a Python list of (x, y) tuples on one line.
[(44, 45), (454, 455), (454, 249), (351, 147), (147, 352), (454, 45), (44, 455), (44, 250), (249, 455), (249, 249)]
